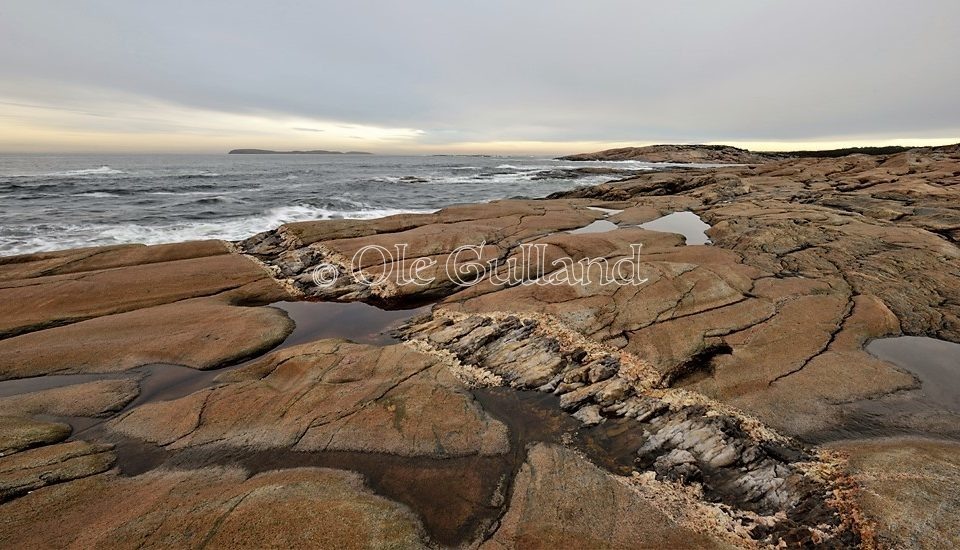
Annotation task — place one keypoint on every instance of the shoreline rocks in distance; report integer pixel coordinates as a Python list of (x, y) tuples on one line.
[(724, 154), (707, 154)]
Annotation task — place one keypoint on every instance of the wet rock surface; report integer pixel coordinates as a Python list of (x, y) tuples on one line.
[(680, 439), (734, 398)]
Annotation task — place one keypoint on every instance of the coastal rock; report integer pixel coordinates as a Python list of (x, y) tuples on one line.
[(706, 384), (561, 499), (400, 259), (827, 244), (719, 154), (18, 433), (99, 398), (328, 396), (201, 333), (48, 301), (909, 489), (217, 507), (731, 459), (35, 468), (104, 257)]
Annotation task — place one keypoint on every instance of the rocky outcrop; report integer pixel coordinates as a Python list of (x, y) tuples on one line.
[(909, 489), (701, 154), (202, 333), (90, 399), (724, 400), (216, 507), (46, 301), (35, 468), (561, 499), (327, 396), (19, 433), (685, 439)]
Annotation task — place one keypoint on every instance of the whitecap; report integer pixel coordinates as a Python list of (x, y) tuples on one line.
[(102, 171), (96, 194), (64, 236)]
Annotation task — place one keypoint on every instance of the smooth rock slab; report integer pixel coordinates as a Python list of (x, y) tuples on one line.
[(560, 500), (35, 468), (211, 507), (324, 396), (88, 399), (42, 302), (18, 433), (202, 333)]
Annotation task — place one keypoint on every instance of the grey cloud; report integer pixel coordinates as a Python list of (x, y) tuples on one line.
[(533, 70)]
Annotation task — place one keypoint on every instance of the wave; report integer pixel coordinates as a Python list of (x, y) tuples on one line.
[(48, 237), (102, 171), (95, 194), (82, 173)]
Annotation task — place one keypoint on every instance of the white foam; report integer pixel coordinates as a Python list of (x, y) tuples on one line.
[(75, 236), (96, 194), (203, 174), (102, 171)]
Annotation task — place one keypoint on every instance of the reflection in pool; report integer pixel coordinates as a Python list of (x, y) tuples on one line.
[(599, 226), (685, 223), (357, 321), (936, 363)]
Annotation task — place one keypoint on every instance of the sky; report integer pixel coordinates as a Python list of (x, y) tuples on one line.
[(457, 76)]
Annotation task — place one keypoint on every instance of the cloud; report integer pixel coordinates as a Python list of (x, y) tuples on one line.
[(439, 73)]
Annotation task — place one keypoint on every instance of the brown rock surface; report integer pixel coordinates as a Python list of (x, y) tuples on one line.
[(34, 468), (201, 333), (18, 433), (97, 398), (694, 381), (910, 489), (42, 302), (562, 500), (103, 257), (215, 507), (325, 396)]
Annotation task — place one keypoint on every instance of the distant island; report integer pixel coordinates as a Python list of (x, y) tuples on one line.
[(311, 152)]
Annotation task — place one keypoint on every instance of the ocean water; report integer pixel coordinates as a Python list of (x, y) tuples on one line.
[(57, 202)]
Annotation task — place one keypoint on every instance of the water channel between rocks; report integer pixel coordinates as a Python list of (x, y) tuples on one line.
[(354, 321), (457, 498)]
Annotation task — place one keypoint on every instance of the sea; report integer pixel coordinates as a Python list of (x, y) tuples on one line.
[(52, 202)]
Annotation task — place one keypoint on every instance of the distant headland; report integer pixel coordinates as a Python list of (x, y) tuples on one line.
[(311, 152)]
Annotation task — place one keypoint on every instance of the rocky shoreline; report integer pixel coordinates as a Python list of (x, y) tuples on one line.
[(163, 395)]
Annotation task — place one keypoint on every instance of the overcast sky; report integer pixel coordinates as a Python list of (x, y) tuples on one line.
[(490, 76)]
